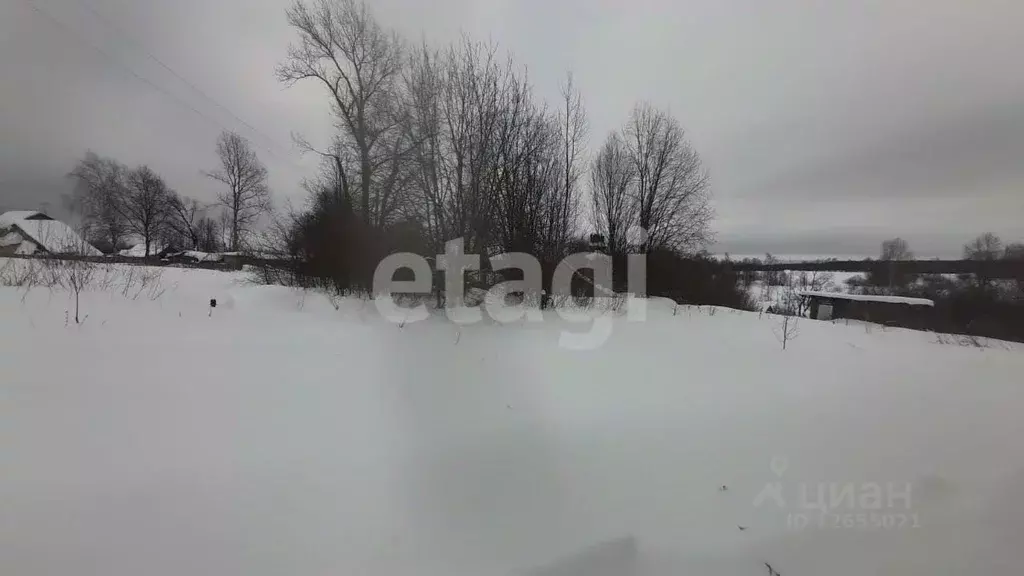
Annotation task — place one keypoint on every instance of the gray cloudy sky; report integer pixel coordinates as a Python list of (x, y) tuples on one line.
[(827, 126)]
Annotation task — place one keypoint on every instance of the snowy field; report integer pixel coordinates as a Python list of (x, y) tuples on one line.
[(288, 434)]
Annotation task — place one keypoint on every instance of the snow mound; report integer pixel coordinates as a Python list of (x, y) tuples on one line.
[(139, 250), (203, 256)]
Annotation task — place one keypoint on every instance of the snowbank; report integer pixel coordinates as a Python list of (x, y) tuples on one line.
[(287, 432), (139, 250), (203, 256)]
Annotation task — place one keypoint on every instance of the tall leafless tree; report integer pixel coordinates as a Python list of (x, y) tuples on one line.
[(460, 102), (209, 236), (522, 170), (573, 128), (893, 251), (146, 204), (611, 181), (896, 249), (671, 188), (988, 246), (247, 196), (184, 217), (343, 48), (100, 185)]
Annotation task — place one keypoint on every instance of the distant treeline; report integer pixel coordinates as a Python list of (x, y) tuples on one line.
[(1010, 269), (229, 263)]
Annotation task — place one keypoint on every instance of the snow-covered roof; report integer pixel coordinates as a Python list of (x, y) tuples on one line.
[(868, 298), (8, 219), (53, 235)]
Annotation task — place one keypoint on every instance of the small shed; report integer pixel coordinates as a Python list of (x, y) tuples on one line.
[(897, 310)]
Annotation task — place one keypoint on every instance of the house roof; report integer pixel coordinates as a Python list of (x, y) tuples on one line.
[(54, 236), (868, 298), (8, 219)]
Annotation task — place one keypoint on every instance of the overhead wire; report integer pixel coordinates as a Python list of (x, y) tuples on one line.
[(70, 30)]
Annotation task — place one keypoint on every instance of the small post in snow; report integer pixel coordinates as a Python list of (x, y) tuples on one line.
[(213, 304)]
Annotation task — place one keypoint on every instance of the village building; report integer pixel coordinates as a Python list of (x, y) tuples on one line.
[(26, 232)]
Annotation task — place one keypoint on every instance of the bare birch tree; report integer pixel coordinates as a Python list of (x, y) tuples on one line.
[(611, 181), (671, 186), (458, 100), (343, 48), (573, 128), (247, 197)]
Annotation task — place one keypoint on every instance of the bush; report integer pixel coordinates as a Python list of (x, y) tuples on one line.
[(962, 306), (695, 280), (329, 246)]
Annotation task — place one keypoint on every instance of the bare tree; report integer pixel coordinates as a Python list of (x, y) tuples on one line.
[(184, 217), (894, 274), (73, 275), (146, 204), (671, 187), (467, 108), (247, 197), (209, 235), (814, 281), (100, 185), (988, 246), (787, 330), (573, 128), (611, 180), (896, 249), (77, 275), (342, 47), (334, 163)]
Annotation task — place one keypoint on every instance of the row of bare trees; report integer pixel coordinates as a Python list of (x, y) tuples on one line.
[(452, 142), (987, 246), (116, 201)]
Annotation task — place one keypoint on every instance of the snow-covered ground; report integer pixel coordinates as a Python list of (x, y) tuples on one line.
[(139, 250), (284, 433)]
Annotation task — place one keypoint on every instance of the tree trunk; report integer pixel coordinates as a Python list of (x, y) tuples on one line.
[(234, 230), (366, 187)]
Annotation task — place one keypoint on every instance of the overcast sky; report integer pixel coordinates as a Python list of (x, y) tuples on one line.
[(827, 126)]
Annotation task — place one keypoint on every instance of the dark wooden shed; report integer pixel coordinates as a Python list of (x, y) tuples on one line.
[(893, 310)]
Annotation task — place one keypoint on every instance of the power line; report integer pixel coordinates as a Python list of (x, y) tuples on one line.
[(49, 16), (95, 12)]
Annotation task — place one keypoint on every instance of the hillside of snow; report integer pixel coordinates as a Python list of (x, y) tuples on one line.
[(289, 433)]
